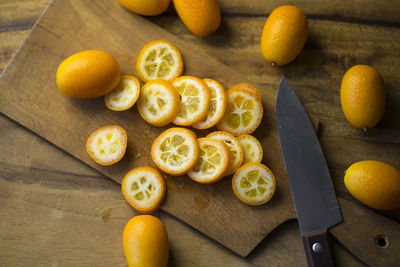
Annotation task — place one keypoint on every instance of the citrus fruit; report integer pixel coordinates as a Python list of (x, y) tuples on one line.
[(159, 60), (175, 151), (248, 87), (213, 161), (125, 95), (217, 105), (254, 183), (146, 7), (195, 100), (144, 189), (235, 150), (145, 242), (107, 145), (243, 112), (374, 183), (158, 102), (363, 96), (88, 74), (284, 34), (252, 148), (202, 18)]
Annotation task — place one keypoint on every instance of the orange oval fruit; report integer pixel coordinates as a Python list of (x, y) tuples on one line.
[(145, 242), (146, 7), (284, 34), (374, 183), (363, 96), (88, 74), (202, 18), (175, 151), (159, 59)]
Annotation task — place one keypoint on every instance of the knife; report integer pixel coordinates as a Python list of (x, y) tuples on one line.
[(313, 194)]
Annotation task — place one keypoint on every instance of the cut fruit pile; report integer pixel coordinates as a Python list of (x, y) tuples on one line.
[(166, 97)]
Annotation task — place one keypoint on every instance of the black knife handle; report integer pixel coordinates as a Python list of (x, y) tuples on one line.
[(317, 249)]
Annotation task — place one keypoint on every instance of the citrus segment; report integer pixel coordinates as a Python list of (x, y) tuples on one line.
[(158, 102), (217, 105), (252, 148), (212, 162), (144, 189), (195, 100), (175, 151), (107, 145), (235, 150), (125, 95), (248, 87), (254, 184), (159, 60), (243, 113), (145, 242)]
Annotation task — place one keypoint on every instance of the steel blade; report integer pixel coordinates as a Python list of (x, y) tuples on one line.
[(310, 181)]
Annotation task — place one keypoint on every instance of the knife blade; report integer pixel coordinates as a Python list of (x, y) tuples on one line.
[(310, 181)]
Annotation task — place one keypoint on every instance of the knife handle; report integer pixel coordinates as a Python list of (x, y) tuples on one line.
[(317, 249)]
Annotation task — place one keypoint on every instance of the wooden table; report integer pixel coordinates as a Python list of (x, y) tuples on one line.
[(56, 210)]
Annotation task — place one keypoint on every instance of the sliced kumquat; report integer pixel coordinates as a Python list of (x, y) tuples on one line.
[(159, 59), (254, 184), (235, 150), (248, 87), (158, 102), (243, 113), (125, 95), (175, 151), (195, 100), (107, 145), (144, 189), (217, 105), (253, 151), (212, 163)]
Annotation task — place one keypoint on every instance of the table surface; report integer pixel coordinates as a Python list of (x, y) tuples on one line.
[(45, 193)]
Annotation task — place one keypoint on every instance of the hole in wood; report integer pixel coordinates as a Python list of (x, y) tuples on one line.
[(382, 241)]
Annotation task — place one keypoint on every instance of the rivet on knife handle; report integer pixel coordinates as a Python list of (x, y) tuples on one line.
[(317, 249)]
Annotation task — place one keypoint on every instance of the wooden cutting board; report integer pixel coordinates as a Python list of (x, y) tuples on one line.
[(30, 97)]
